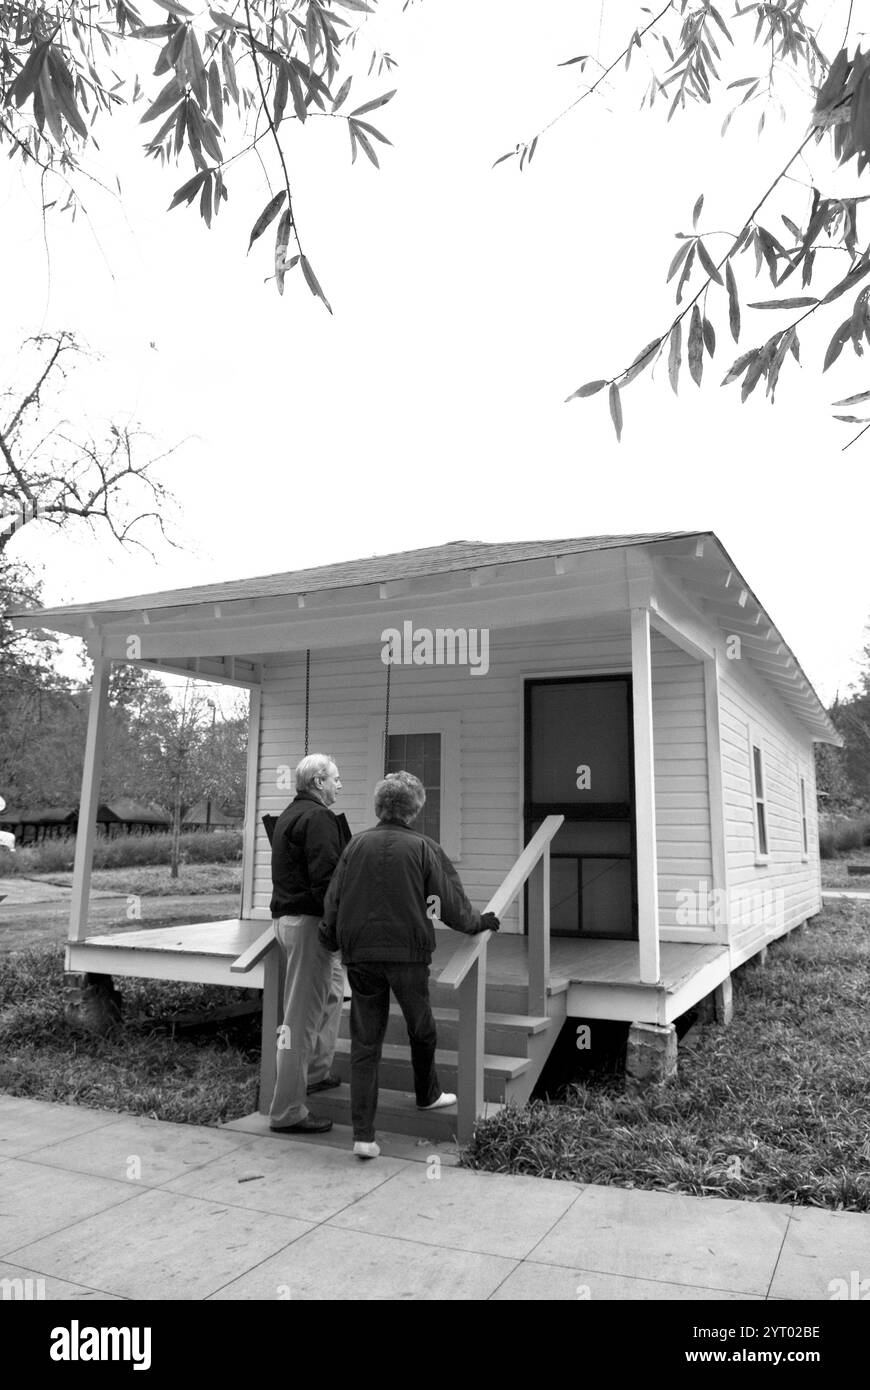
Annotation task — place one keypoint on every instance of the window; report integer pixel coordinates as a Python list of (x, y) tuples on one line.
[(760, 804), (428, 746), (420, 754), (804, 838)]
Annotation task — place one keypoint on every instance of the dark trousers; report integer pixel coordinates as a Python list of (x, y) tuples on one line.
[(370, 986)]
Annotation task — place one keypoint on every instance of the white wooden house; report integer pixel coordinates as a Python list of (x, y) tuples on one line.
[(621, 704)]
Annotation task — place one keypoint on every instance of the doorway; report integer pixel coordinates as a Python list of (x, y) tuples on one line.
[(579, 763)]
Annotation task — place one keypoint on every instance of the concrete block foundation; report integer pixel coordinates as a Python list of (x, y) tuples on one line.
[(651, 1058)]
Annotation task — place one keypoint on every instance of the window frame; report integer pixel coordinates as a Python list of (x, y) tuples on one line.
[(803, 814), (757, 741), (449, 726)]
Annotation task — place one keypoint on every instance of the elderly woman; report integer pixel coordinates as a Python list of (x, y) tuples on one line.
[(376, 915)]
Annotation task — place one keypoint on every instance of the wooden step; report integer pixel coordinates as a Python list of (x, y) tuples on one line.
[(500, 998), (506, 1035), (397, 1112), (396, 1072)]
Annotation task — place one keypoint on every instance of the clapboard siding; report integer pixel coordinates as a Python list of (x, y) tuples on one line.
[(782, 891), (347, 692), (683, 844)]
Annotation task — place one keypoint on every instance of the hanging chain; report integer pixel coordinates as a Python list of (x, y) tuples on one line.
[(307, 695), (387, 719)]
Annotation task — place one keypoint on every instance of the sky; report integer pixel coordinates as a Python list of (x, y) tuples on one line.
[(469, 302)]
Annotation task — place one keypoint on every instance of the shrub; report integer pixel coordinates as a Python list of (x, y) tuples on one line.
[(842, 834), (851, 836), (827, 846), (126, 851)]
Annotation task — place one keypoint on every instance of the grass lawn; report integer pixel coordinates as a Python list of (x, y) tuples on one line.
[(773, 1108), (197, 1079), (153, 880)]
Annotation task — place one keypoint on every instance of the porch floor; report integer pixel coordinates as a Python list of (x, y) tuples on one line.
[(601, 977)]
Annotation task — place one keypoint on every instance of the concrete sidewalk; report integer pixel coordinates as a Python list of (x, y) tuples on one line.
[(106, 1206)]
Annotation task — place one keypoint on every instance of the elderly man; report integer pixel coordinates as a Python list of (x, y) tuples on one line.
[(377, 914), (306, 846)]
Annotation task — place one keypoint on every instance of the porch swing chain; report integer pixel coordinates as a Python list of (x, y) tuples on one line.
[(387, 720), (307, 695), (308, 707), (386, 710)]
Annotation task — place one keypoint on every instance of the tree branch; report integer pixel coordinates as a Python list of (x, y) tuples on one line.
[(273, 128), (719, 264), (635, 38)]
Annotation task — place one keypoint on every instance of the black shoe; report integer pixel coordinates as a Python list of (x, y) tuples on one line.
[(326, 1084), (312, 1124)]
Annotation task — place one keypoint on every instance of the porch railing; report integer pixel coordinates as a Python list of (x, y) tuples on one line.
[(466, 971)]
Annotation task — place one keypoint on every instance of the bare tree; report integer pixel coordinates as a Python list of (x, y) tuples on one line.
[(52, 470)]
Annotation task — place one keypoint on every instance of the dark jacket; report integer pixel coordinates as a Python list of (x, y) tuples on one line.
[(306, 846), (376, 906)]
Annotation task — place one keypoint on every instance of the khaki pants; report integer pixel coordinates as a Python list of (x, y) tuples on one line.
[(313, 993)]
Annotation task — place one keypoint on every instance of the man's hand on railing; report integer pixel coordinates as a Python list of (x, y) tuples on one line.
[(489, 921)]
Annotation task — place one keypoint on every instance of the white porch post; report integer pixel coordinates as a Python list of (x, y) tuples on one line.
[(87, 826), (719, 858), (249, 836), (644, 787)]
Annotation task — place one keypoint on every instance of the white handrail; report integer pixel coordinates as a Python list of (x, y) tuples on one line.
[(464, 957), (255, 952)]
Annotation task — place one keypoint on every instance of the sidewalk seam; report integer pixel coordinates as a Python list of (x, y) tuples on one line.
[(43, 1274), (61, 1230), (314, 1226), (791, 1213)]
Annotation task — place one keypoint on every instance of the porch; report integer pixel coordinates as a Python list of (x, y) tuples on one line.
[(496, 1028), (601, 978)]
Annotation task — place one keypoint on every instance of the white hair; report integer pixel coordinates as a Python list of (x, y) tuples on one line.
[(312, 766)]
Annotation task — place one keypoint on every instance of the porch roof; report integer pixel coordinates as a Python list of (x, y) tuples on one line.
[(693, 565)]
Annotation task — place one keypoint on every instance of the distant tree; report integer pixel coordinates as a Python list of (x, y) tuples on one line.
[(833, 784), (188, 756), (852, 718), (223, 757), (41, 712), (845, 772), (54, 471), (138, 704)]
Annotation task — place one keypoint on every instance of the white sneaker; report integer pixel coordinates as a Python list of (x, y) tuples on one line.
[(445, 1098), (363, 1150)]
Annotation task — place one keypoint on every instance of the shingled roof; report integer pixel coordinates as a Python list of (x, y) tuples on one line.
[(375, 569)]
